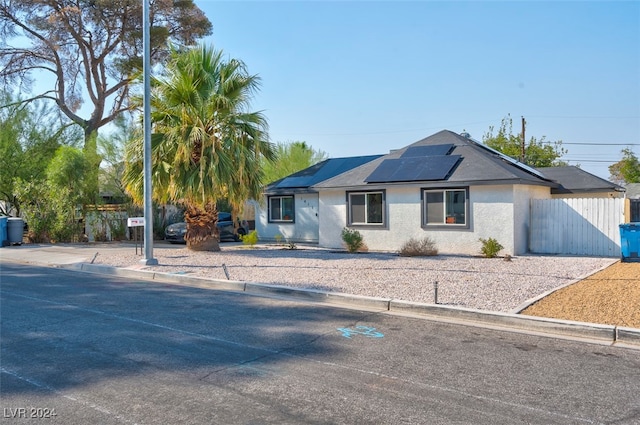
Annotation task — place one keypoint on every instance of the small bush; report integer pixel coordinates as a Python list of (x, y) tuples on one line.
[(100, 235), (490, 247), (118, 229), (419, 248), (250, 238), (278, 239), (352, 239)]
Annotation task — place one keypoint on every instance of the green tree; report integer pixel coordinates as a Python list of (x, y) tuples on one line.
[(111, 149), (90, 50), (627, 170), (537, 153), (207, 145), (52, 204), (291, 157), (30, 134), (67, 170)]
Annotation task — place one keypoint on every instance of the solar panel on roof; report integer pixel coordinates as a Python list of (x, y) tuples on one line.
[(437, 167), (409, 169), (429, 150), (385, 170), (322, 171), (294, 182)]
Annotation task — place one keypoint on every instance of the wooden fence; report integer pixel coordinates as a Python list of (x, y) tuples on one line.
[(576, 226)]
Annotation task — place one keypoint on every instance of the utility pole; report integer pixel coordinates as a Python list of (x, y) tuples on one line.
[(148, 206), (522, 143)]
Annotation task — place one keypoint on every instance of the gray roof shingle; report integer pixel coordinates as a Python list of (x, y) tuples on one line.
[(575, 180), (478, 165), (304, 179)]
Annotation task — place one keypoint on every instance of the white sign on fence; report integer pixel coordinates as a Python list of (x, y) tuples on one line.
[(135, 221)]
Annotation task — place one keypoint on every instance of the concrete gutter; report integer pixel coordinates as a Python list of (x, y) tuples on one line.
[(590, 332)]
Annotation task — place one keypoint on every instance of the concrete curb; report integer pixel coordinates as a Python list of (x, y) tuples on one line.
[(629, 337), (603, 334), (368, 303), (223, 285)]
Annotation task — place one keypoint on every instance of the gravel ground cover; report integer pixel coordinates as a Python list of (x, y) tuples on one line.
[(609, 297), (465, 281)]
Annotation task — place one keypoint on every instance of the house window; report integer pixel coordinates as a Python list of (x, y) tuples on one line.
[(446, 207), (635, 210), (366, 208), (281, 208)]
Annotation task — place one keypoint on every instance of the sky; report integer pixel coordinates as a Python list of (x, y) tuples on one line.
[(364, 77)]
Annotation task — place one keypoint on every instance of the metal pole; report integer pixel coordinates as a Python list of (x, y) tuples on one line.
[(435, 292), (148, 206)]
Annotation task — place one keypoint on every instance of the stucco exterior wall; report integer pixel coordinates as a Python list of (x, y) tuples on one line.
[(492, 213), (333, 218), (500, 212), (304, 229), (522, 196)]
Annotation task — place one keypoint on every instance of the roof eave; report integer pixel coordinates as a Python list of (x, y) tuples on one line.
[(440, 183)]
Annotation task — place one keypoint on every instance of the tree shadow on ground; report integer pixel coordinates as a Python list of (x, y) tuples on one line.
[(74, 329)]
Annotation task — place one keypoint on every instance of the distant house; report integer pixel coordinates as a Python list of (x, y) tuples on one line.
[(633, 206), (447, 186), (575, 182)]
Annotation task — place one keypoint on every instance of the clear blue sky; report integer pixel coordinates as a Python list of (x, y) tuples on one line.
[(359, 78)]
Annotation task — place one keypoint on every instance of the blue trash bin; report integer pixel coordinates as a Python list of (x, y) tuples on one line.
[(15, 230), (630, 241), (3, 232)]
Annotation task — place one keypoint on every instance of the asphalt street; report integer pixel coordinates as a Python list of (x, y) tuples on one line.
[(79, 348)]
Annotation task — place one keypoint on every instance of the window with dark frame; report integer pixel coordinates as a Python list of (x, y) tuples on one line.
[(635, 210), (445, 207), (366, 208), (281, 208)]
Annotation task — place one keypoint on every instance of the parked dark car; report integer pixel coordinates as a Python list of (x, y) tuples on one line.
[(174, 233)]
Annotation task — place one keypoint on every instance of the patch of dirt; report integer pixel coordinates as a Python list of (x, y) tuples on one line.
[(610, 296)]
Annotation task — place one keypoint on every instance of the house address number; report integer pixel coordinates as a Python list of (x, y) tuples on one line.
[(135, 221)]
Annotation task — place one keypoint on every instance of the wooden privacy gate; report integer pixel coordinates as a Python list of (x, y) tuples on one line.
[(576, 226)]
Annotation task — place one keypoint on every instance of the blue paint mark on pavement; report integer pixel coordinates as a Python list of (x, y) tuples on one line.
[(367, 331)]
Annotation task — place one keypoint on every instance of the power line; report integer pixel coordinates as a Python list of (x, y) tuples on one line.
[(629, 117), (589, 160), (600, 144)]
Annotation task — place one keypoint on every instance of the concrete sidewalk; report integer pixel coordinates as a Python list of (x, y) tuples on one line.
[(80, 257), (58, 255)]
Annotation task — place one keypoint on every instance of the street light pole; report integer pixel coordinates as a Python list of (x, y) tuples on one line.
[(148, 206)]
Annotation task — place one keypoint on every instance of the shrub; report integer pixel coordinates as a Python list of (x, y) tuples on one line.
[(353, 239), (278, 239), (118, 229), (250, 238), (419, 248), (490, 247), (50, 212)]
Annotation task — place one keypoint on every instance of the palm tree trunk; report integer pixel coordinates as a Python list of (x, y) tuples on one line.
[(202, 232)]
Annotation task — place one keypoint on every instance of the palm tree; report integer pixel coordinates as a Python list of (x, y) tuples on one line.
[(206, 145)]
